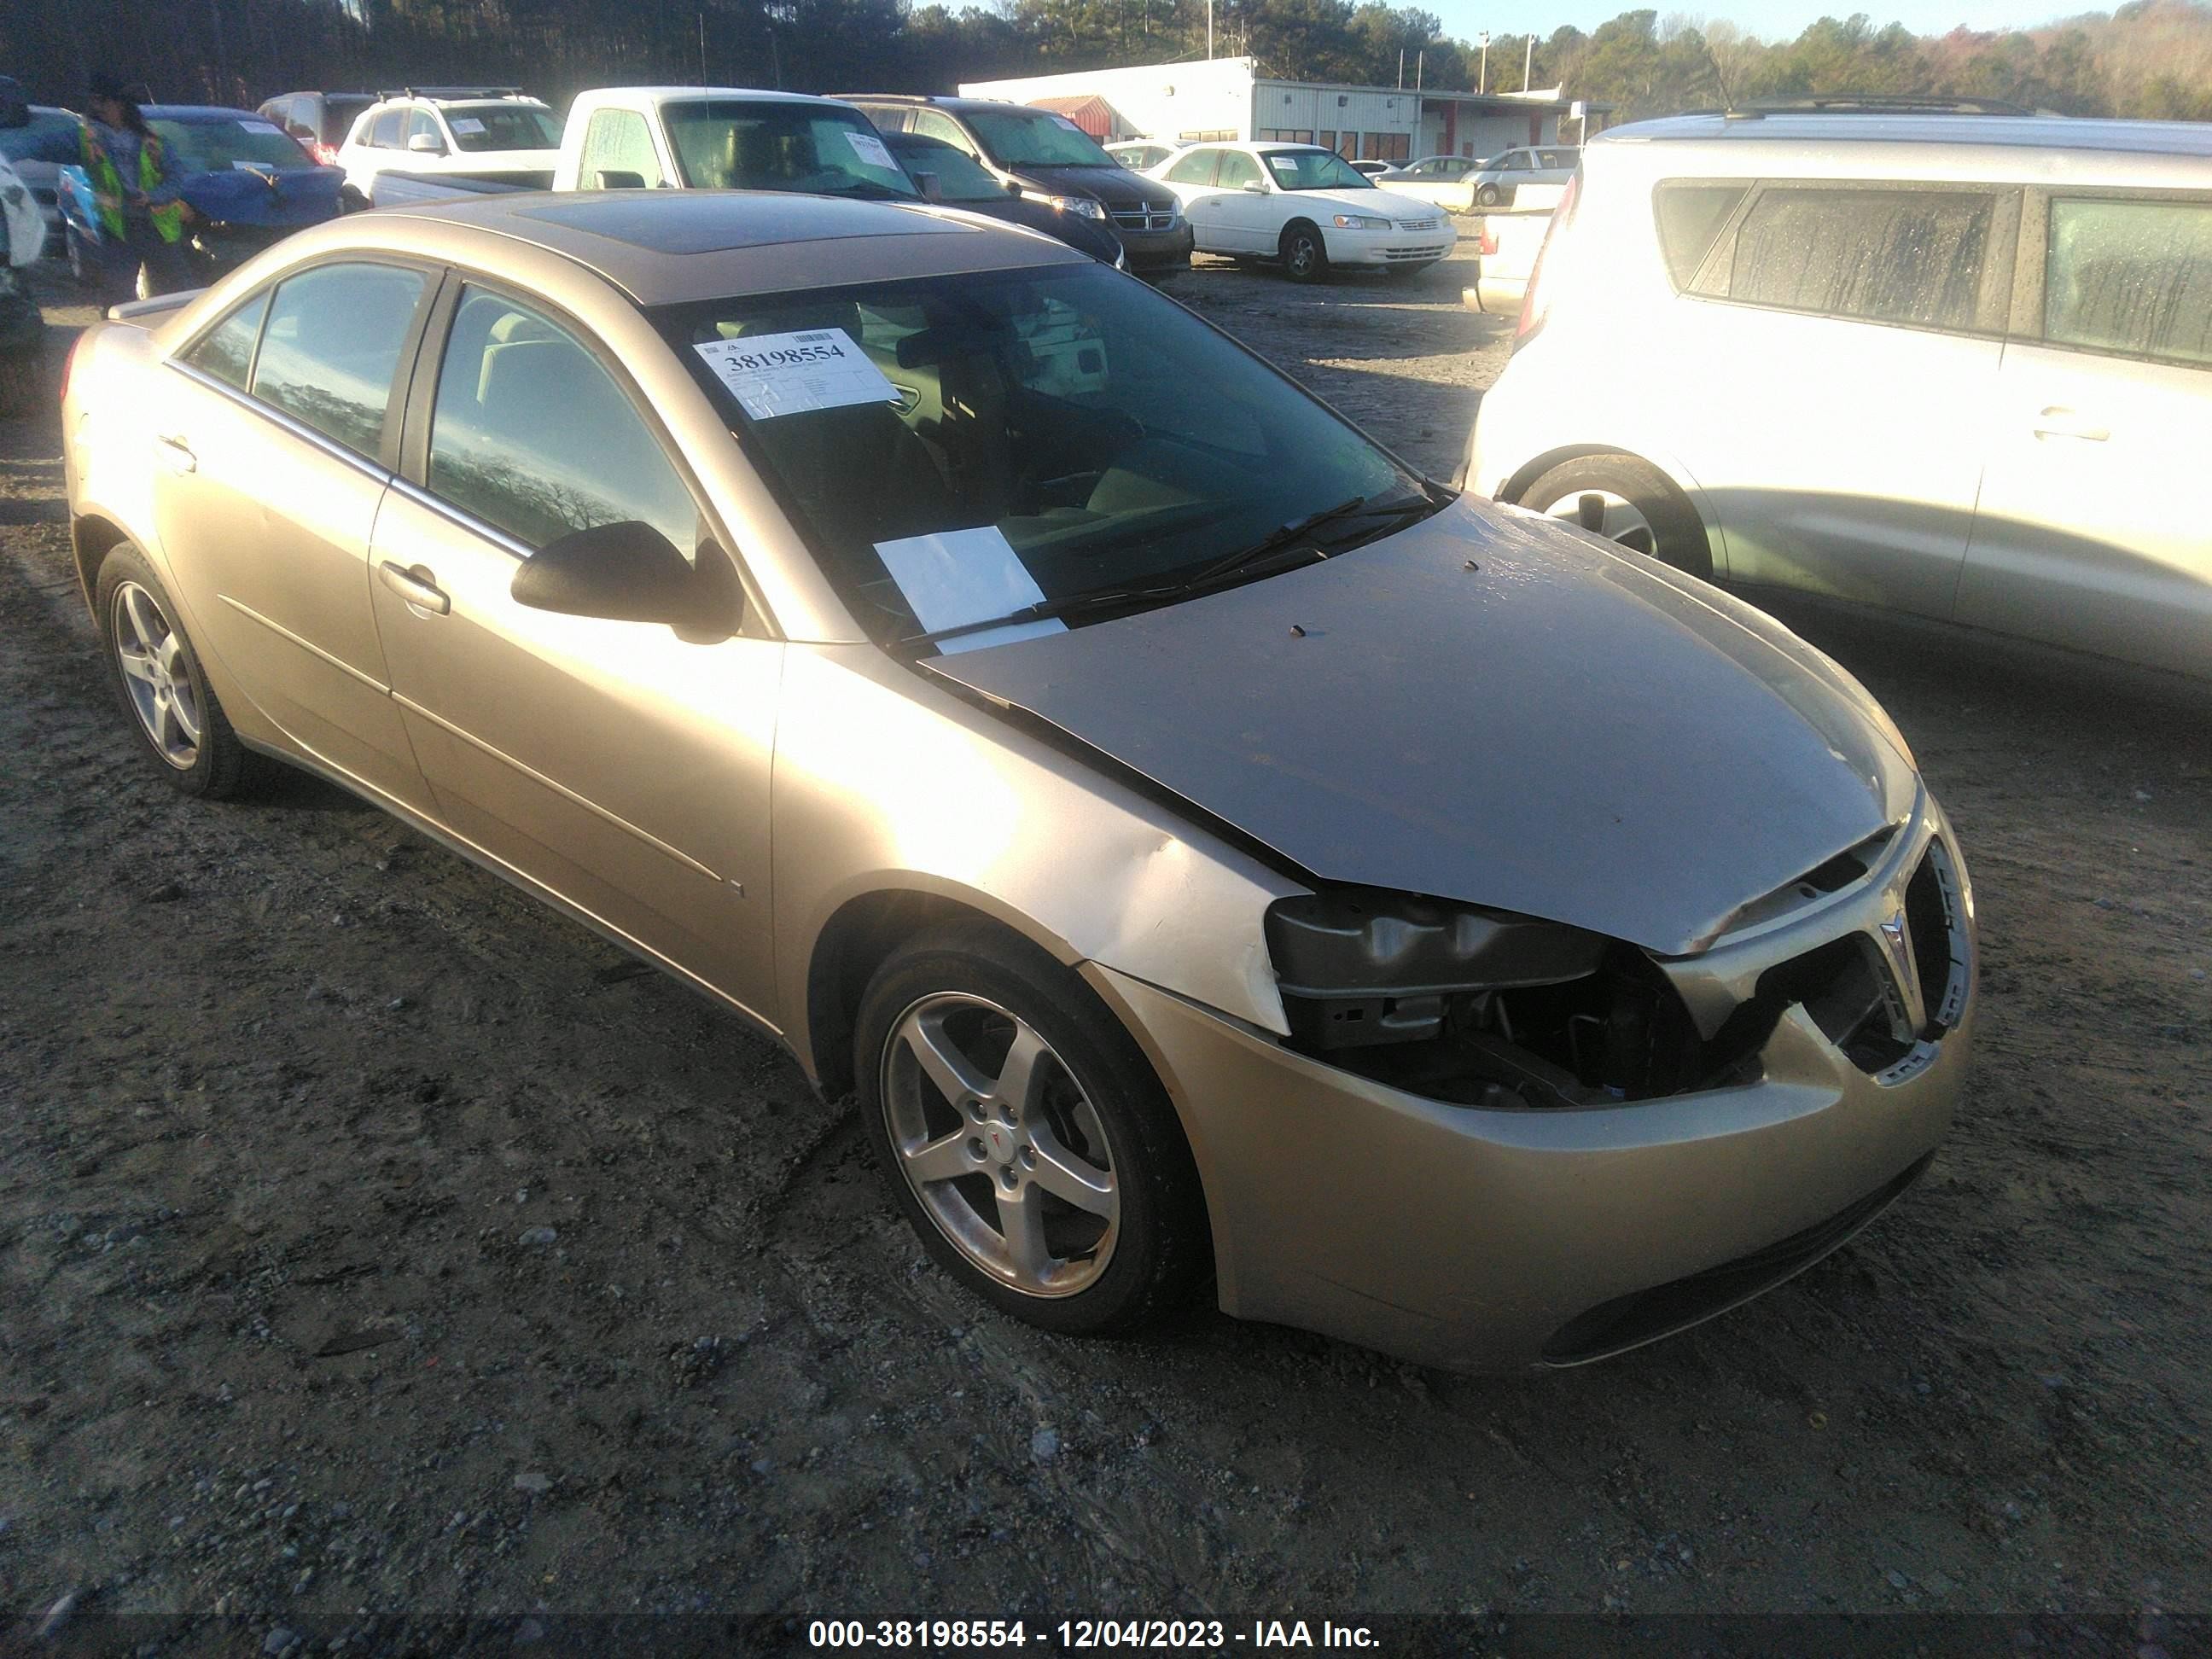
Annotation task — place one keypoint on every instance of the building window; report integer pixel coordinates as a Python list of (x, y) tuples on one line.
[(1386, 146), (1327, 140), (1347, 146), (1286, 135), (1217, 135)]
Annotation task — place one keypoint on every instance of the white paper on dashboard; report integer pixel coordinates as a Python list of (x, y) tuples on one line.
[(773, 375), (961, 577), (260, 126), (467, 124), (870, 149)]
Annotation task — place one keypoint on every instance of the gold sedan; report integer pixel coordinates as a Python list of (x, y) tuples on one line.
[(1210, 850)]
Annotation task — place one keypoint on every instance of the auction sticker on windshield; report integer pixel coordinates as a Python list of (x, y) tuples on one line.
[(773, 375), (467, 125), (870, 149)]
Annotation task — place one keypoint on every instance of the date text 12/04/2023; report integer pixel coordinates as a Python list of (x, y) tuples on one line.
[(1199, 1635)]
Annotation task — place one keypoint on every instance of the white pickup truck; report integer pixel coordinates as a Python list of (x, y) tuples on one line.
[(698, 138)]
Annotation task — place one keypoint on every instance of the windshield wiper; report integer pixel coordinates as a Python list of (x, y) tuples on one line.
[(1281, 547)]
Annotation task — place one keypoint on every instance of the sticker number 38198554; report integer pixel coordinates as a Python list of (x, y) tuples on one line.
[(773, 375)]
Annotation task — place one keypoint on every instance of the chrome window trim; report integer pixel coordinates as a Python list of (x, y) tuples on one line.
[(463, 518), (297, 427)]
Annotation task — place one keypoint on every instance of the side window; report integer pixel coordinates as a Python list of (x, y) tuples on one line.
[(617, 141), (332, 347), (1690, 217), (422, 123), (2130, 277), (1236, 169), (931, 125), (1195, 169), (226, 351), (530, 433), (384, 132), (1886, 256)]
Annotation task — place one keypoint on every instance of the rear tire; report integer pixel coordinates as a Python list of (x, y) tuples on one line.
[(1305, 255), (157, 679), (1643, 510), (1487, 197), (981, 1178)]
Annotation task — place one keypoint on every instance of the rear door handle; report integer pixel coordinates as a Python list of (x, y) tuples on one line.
[(181, 459), (2060, 423), (416, 586)]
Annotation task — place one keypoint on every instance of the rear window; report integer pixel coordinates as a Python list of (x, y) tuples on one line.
[(1912, 258), (50, 136), (1690, 217), (2131, 278), (217, 145), (750, 145)]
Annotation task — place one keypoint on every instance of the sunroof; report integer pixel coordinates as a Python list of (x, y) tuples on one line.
[(703, 221)]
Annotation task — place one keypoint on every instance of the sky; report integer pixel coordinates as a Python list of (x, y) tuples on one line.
[(1771, 19)]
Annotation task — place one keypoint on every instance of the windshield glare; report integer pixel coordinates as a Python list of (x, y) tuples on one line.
[(1313, 169), (1065, 426), (729, 144), (503, 126), (960, 177), (1036, 138), (212, 146)]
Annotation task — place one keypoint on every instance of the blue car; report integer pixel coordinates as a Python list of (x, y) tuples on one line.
[(247, 181)]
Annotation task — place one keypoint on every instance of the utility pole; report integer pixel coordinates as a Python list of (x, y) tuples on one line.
[(1483, 41), (1209, 31), (1401, 69), (1528, 64), (1420, 62)]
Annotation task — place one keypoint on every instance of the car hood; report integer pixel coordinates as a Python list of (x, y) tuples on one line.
[(1086, 235), (1381, 202), (1116, 186), (1492, 708)]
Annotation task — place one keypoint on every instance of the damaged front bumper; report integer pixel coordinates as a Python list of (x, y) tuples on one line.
[(1476, 1238)]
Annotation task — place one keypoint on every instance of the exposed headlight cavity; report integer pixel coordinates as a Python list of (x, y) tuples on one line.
[(1478, 1006)]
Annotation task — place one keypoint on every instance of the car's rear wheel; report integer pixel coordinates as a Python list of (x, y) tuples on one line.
[(1024, 1136), (1305, 256), (158, 680), (1626, 500), (1487, 197)]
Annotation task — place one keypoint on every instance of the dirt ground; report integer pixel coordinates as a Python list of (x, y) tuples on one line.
[(373, 1241)]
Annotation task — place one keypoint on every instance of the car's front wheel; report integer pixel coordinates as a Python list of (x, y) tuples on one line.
[(1305, 256), (157, 678), (1025, 1137), (1627, 500), (1487, 197)]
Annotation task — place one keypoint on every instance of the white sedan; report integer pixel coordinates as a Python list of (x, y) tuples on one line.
[(1302, 206)]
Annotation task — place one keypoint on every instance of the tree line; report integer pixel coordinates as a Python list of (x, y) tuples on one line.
[(2149, 57)]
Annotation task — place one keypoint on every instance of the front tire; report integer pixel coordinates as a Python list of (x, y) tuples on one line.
[(1305, 255), (157, 678), (1488, 196), (1636, 505), (1025, 1137)]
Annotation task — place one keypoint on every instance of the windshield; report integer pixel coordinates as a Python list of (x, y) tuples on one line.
[(50, 136), (215, 145), (1035, 138), (1313, 169), (1048, 434), (503, 126), (960, 177), (732, 144)]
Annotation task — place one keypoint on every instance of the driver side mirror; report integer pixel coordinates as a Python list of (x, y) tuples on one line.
[(932, 188), (617, 178), (626, 572), (1255, 186), (425, 143)]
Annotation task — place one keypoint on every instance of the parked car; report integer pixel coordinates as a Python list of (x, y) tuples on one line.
[(1303, 207), (1946, 364), (248, 182), (1532, 177), (1054, 725), (1141, 154), (1447, 180), (39, 146), (493, 133), (319, 120), (1373, 168), (1052, 160), (1509, 243), (22, 326), (698, 138), (952, 176)]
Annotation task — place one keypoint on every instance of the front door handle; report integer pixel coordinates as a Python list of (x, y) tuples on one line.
[(2060, 423), (181, 459), (418, 586)]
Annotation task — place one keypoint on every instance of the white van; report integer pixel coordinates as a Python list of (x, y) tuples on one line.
[(1957, 365)]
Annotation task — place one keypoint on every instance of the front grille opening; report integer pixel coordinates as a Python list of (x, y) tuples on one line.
[(1628, 1322), (1934, 914)]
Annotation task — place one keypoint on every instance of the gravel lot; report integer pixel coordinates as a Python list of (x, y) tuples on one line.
[(372, 1240)]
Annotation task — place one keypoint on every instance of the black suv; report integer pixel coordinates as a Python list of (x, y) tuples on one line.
[(1048, 159)]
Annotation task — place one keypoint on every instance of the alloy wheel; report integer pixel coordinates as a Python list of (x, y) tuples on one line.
[(151, 654), (1001, 1144)]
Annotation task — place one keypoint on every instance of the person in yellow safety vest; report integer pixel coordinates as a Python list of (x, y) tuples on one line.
[(134, 184)]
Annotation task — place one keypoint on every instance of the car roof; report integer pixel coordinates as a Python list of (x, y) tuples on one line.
[(696, 92), (665, 248), (2043, 132)]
